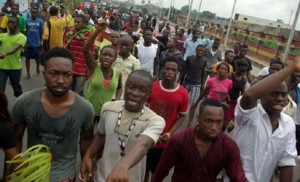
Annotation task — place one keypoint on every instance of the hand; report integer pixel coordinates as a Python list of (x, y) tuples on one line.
[(230, 126), (119, 173), (2, 55), (295, 63), (165, 137), (86, 169)]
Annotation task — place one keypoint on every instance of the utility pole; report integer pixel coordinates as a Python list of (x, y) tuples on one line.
[(229, 26), (189, 14), (173, 11), (170, 9), (198, 16), (290, 17), (288, 45), (161, 7)]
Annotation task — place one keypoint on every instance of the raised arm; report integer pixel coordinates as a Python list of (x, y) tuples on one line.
[(89, 58), (250, 97)]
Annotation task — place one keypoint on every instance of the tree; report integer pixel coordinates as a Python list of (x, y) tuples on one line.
[(185, 9), (144, 10), (194, 13), (208, 14)]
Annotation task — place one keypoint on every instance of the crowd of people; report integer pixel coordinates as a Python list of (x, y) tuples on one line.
[(118, 86)]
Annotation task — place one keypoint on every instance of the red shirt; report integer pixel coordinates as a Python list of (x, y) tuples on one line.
[(168, 104), (75, 46), (190, 166), (180, 42)]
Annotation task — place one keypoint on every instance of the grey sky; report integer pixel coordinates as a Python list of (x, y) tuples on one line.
[(266, 9)]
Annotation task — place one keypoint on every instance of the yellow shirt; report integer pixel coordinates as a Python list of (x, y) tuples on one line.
[(57, 30)]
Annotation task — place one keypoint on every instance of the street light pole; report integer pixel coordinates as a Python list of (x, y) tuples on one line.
[(198, 16), (229, 26), (288, 45), (189, 14), (169, 12), (161, 7)]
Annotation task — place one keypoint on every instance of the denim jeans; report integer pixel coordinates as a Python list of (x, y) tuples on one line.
[(14, 77)]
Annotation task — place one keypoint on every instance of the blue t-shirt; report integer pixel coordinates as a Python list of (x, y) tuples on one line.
[(34, 30), (298, 94)]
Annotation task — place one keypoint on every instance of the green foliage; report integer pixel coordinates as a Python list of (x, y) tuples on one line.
[(253, 40), (34, 164), (293, 51), (238, 35), (144, 10), (194, 13), (270, 43), (208, 14), (185, 9)]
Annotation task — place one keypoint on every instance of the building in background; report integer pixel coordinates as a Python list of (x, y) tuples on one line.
[(245, 19)]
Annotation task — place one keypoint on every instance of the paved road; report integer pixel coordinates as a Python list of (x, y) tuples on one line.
[(37, 81)]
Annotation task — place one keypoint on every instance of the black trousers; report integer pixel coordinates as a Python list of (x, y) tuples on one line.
[(298, 139)]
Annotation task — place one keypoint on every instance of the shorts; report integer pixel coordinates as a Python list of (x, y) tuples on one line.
[(194, 91), (32, 53), (153, 157)]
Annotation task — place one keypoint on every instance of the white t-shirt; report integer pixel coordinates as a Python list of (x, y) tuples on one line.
[(146, 55), (201, 28)]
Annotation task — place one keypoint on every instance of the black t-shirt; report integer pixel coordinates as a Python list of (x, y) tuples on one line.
[(245, 58), (7, 137), (194, 68), (163, 40), (237, 87)]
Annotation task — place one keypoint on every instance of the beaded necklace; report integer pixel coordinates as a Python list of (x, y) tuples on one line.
[(132, 125)]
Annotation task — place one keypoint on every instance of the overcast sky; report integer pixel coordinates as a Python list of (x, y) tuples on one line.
[(266, 9)]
